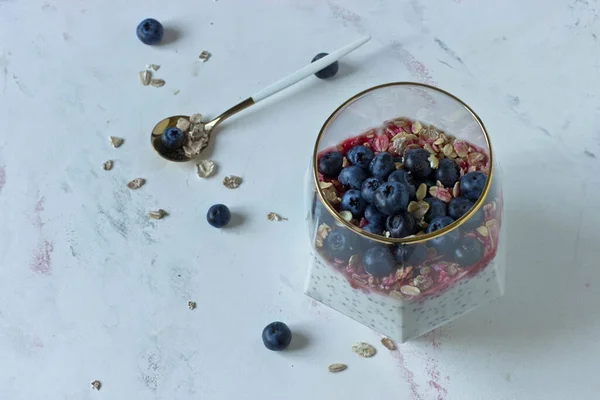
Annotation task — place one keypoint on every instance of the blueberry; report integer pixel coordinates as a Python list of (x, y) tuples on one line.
[(218, 215), (352, 201), (276, 336), (378, 261), (447, 172), (472, 184), (374, 216), (327, 72), (339, 244), (447, 241), (330, 164), (437, 208), (368, 189), (459, 207), (405, 178), (391, 198), (416, 161), (360, 156), (468, 252), (373, 228), (401, 225), (352, 177), (382, 166), (413, 254), (172, 138), (150, 31)]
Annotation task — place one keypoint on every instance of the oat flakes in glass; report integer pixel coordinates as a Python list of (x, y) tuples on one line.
[(410, 241)]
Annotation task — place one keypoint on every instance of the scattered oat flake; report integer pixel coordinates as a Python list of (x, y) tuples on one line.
[(346, 215), (421, 191), (434, 162), (115, 141), (96, 384), (136, 183), (456, 189), (158, 214), (388, 344), (410, 290), (191, 305), (183, 124), (337, 367), (154, 67), (145, 77), (364, 349), (107, 165), (196, 118), (322, 232), (205, 168), (232, 181), (204, 56), (157, 82), (483, 231), (275, 217), (416, 127)]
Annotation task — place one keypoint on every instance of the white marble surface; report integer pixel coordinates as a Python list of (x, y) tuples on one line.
[(90, 289)]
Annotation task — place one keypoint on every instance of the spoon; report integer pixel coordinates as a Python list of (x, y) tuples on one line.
[(179, 155)]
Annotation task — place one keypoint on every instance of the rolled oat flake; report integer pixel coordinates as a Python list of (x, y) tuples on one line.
[(205, 168), (364, 349), (232, 181), (388, 344), (136, 183), (337, 367), (158, 214)]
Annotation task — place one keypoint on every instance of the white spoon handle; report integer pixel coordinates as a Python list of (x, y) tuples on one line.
[(308, 70)]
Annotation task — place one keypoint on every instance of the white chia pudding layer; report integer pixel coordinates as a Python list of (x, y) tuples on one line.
[(403, 319)]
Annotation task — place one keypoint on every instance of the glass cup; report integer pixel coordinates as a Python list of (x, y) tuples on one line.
[(436, 276)]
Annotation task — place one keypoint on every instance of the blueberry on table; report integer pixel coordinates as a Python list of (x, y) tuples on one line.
[(447, 172), (378, 261), (437, 208), (150, 31), (352, 201), (472, 184), (468, 252), (391, 198), (447, 241), (416, 161), (330, 164), (352, 177), (327, 72), (172, 138), (374, 216), (360, 156), (405, 178), (382, 166), (459, 206), (277, 336), (218, 215), (401, 225), (339, 243), (368, 189)]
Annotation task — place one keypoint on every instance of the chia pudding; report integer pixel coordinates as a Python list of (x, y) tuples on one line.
[(405, 230)]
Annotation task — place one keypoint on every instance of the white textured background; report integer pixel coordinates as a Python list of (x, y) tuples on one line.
[(90, 289)]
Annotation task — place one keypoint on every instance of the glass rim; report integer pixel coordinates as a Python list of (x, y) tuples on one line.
[(413, 239)]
